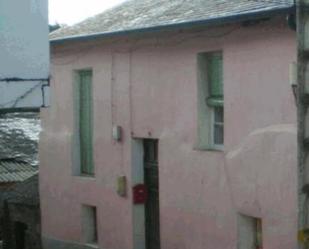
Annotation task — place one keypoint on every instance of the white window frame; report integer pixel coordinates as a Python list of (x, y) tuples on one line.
[(212, 143)]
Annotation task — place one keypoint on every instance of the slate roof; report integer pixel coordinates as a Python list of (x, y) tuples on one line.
[(146, 14), (19, 135), (12, 170), (24, 193)]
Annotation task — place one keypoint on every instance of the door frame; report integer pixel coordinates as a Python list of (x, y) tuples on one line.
[(137, 162)]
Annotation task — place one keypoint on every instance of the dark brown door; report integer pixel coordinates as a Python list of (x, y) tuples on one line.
[(152, 213)]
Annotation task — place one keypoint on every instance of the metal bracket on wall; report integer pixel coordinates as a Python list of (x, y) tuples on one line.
[(24, 94), (17, 79)]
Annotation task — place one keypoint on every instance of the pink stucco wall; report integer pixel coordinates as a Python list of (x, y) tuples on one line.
[(148, 86)]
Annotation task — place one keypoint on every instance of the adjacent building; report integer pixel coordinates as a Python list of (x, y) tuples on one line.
[(18, 155), (172, 125), (21, 216), (24, 84), (24, 53)]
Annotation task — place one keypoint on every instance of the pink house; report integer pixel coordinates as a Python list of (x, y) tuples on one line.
[(173, 126)]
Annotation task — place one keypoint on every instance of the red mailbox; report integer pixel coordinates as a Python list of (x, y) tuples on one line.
[(139, 194)]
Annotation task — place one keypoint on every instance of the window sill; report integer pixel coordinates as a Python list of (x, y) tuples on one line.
[(209, 148), (90, 245), (85, 176)]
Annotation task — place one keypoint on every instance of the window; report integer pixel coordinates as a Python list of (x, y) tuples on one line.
[(84, 121), (215, 98), (250, 233), (210, 101), (89, 224)]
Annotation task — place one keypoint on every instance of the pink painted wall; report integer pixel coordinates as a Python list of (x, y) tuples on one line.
[(149, 87)]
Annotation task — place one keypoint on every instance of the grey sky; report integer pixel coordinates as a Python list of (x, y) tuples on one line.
[(73, 11)]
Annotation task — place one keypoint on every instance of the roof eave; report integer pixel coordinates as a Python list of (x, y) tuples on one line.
[(184, 25)]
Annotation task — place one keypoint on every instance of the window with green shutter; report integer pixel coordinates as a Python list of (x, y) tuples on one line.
[(210, 100), (215, 79), (85, 121)]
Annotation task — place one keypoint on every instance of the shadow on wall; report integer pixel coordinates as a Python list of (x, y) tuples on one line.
[(262, 173)]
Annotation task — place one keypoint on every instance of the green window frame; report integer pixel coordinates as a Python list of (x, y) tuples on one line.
[(215, 79), (84, 94), (215, 99), (210, 101)]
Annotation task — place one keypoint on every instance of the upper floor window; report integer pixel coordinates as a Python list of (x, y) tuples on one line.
[(84, 121), (210, 101)]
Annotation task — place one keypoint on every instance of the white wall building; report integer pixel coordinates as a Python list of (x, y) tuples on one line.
[(24, 54)]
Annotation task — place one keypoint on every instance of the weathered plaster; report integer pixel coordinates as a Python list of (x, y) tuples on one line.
[(149, 88)]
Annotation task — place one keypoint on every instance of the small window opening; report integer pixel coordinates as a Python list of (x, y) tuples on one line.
[(89, 224), (250, 235)]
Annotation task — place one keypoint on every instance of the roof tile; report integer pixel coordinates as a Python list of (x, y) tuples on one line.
[(12, 170), (141, 14)]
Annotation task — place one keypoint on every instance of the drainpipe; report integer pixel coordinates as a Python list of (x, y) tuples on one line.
[(302, 16)]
